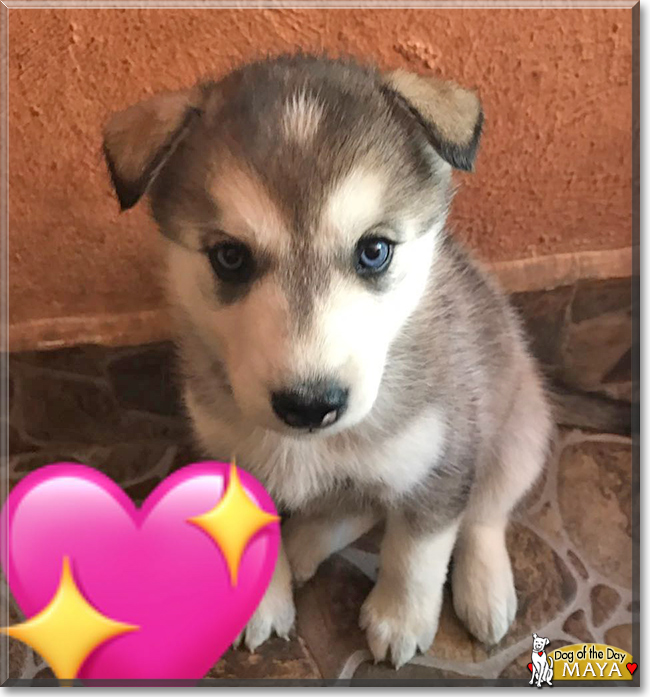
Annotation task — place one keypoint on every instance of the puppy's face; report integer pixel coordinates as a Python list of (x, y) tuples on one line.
[(304, 200)]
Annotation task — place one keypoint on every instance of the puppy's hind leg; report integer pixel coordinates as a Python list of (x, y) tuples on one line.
[(482, 581), (310, 539)]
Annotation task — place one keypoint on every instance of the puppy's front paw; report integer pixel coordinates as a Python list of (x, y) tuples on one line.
[(275, 615), (484, 591), (398, 624)]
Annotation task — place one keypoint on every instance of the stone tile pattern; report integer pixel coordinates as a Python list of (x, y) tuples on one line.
[(119, 410), (582, 334)]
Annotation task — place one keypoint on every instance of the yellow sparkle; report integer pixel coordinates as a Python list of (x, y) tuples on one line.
[(233, 522), (68, 629)]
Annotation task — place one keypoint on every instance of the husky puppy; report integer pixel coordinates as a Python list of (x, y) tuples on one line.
[(335, 337)]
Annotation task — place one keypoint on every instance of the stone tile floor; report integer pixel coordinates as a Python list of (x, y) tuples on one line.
[(571, 540)]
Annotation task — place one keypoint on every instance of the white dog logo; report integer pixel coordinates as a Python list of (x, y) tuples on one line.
[(542, 669)]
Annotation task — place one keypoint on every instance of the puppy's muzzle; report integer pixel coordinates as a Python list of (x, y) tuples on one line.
[(310, 405)]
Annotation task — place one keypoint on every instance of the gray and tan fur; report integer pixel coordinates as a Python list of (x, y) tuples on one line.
[(443, 424)]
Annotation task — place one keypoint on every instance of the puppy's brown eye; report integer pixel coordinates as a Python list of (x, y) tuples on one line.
[(231, 261)]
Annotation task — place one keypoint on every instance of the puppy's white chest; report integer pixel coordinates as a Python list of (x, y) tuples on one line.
[(402, 461), (296, 470)]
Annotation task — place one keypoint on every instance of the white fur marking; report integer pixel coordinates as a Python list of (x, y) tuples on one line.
[(355, 205), (302, 116), (353, 328), (247, 208)]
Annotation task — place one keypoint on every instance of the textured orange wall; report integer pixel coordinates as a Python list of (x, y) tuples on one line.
[(553, 174)]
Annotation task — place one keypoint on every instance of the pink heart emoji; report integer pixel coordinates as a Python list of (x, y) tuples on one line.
[(147, 567)]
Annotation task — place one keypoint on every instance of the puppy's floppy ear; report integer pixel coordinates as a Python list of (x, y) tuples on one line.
[(548, 641), (139, 140), (451, 116)]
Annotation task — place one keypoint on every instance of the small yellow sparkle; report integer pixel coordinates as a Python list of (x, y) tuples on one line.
[(233, 521), (68, 629)]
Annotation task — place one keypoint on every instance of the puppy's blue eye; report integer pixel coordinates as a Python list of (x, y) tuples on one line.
[(373, 255), (231, 261)]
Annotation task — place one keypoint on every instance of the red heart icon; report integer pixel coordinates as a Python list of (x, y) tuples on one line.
[(539, 653), (631, 667), (530, 667)]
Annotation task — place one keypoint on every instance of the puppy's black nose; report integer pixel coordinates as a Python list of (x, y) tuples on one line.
[(311, 404)]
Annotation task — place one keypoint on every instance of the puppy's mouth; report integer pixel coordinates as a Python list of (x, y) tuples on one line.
[(331, 427), (328, 420), (310, 431)]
